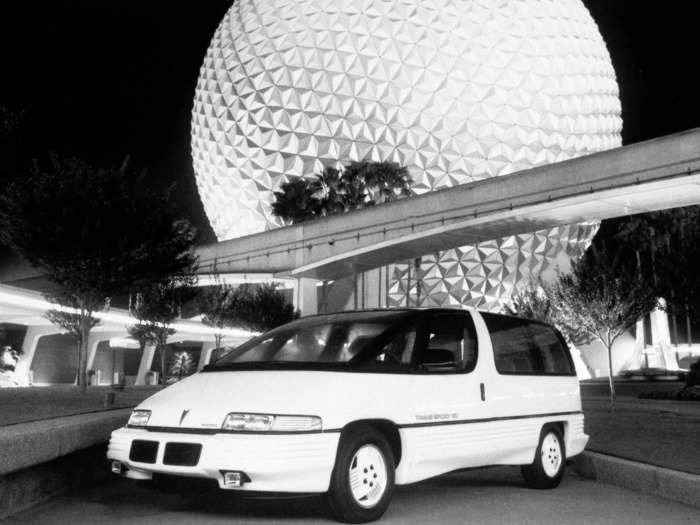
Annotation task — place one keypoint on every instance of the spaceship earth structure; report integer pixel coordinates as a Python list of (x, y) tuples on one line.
[(456, 90)]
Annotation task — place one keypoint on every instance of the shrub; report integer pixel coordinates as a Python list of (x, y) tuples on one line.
[(693, 377)]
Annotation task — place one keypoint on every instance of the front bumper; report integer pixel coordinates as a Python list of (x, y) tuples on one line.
[(274, 463)]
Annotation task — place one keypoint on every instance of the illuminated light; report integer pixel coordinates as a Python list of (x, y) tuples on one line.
[(123, 342), (33, 301)]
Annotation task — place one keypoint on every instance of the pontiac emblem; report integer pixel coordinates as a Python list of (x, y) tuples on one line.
[(184, 414)]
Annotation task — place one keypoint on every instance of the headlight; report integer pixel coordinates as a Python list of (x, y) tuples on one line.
[(139, 418), (271, 423)]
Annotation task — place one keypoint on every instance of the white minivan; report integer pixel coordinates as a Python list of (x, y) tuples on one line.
[(351, 404)]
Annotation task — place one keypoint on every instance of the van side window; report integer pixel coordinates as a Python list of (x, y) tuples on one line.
[(450, 344), (524, 347)]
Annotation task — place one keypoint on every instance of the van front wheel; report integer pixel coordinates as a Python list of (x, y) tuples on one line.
[(547, 470), (363, 478)]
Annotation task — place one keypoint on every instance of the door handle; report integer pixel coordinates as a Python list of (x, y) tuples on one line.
[(483, 392)]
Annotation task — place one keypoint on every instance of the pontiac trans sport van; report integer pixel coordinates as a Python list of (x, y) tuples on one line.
[(352, 404)]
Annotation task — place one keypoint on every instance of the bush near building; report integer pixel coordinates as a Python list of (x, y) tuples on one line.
[(690, 392)]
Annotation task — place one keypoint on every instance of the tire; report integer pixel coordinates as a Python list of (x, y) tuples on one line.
[(364, 455), (547, 469)]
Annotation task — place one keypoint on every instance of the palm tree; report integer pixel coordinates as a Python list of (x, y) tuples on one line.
[(328, 189), (295, 202), (332, 191), (385, 181)]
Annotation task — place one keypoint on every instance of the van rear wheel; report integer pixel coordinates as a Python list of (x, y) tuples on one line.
[(547, 469), (363, 477)]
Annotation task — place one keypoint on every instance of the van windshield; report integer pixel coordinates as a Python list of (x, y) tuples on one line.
[(347, 339)]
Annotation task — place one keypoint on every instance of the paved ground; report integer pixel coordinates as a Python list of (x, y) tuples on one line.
[(485, 496), (22, 405)]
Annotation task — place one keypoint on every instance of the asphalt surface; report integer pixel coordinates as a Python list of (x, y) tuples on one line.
[(485, 496)]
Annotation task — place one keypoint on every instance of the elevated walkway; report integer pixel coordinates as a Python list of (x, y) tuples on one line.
[(657, 174)]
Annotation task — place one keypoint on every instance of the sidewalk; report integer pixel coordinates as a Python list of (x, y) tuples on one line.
[(660, 433)]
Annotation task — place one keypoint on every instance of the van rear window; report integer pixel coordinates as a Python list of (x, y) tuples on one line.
[(524, 347)]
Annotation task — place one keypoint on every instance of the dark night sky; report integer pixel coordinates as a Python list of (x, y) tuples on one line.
[(103, 80)]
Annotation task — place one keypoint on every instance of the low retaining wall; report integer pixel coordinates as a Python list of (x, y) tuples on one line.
[(25, 488), (41, 459), (641, 477)]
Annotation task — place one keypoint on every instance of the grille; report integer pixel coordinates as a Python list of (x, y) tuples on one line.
[(143, 451), (182, 454)]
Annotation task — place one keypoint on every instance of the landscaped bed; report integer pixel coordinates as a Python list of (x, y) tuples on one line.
[(25, 404), (690, 392), (684, 394)]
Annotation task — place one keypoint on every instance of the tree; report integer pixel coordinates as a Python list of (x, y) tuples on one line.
[(216, 304), (533, 302), (676, 250), (157, 307), (295, 202), (383, 181), (666, 246), (536, 302), (603, 298), (183, 364), (259, 307), (94, 233), (264, 308), (333, 191), (13, 143), (9, 121)]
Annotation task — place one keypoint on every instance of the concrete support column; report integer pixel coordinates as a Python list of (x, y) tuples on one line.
[(661, 337), (355, 291), (145, 364), (306, 296), (372, 288), (95, 338), (31, 339), (205, 354), (93, 341)]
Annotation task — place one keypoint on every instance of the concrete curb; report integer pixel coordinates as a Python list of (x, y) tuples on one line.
[(28, 444), (641, 477), (688, 408), (32, 486), (42, 459)]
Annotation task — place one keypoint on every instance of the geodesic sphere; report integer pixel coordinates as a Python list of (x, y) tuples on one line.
[(456, 90)]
